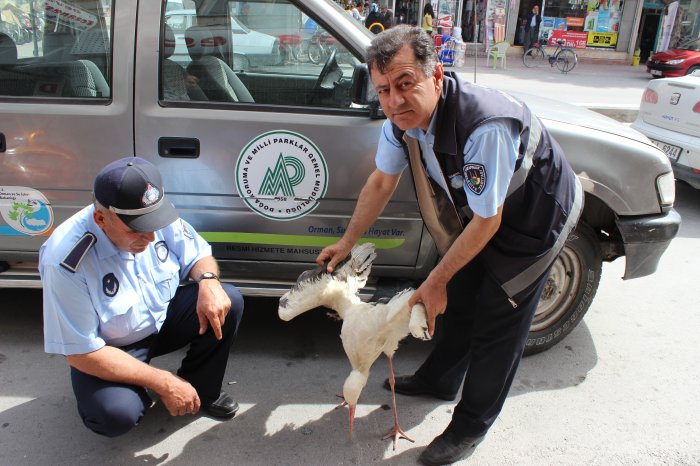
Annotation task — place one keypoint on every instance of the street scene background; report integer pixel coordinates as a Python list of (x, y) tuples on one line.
[(620, 389)]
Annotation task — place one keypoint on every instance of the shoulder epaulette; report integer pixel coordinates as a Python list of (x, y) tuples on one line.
[(76, 255)]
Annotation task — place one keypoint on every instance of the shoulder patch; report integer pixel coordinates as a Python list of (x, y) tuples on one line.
[(475, 174), (72, 260), (186, 230)]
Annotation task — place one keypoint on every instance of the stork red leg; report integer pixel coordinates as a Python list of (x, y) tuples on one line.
[(396, 432)]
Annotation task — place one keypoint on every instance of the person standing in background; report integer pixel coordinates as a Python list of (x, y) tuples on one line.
[(428, 16), (532, 27)]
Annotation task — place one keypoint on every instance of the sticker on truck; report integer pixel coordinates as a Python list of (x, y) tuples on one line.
[(281, 175), (25, 210)]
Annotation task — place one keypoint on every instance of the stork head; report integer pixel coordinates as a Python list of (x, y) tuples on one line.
[(316, 287)]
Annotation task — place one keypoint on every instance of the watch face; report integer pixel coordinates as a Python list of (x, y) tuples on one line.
[(208, 275)]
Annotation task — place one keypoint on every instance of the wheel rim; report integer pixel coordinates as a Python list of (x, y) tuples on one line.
[(559, 291)]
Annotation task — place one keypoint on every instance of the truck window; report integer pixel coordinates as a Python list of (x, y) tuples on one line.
[(266, 52), (55, 48)]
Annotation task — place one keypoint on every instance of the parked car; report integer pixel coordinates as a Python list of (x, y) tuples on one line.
[(251, 48), (669, 115), (271, 178), (675, 62)]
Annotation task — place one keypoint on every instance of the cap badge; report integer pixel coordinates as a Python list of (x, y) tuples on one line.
[(151, 195)]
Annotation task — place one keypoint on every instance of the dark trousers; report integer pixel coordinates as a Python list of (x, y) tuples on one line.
[(479, 346), (113, 409), (531, 36)]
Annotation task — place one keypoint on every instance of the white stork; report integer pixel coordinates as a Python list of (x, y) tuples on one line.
[(368, 330)]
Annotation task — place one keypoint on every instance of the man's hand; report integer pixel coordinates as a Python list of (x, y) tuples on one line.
[(213, 305), (333, 254), (179, 397), (433, 294)]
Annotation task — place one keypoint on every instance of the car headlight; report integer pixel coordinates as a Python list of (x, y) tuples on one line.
[(675, 62), (666, 186)]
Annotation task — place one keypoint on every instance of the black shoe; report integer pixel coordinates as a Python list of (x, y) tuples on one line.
[(412, 386), (448, 448), (223, 407)]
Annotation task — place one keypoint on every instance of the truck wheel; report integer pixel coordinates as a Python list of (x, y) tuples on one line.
[(572, 284)]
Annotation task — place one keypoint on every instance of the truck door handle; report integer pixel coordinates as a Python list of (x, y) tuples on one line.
[(3, 146), (186, 148)]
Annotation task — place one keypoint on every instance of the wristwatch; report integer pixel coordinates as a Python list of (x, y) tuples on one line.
[(208, 276)]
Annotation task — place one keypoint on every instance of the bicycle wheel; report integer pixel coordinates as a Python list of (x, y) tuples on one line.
[(566, 60), (533, 57), (315, 53)]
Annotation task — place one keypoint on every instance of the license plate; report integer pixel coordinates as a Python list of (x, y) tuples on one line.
[(673, 152), (656, 72)]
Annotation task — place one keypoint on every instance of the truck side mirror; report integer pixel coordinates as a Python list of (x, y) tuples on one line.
[(363, 92)]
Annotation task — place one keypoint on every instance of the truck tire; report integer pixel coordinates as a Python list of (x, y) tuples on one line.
[(572, 284)]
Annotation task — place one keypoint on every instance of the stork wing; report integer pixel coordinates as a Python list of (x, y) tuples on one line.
[(357, 266)]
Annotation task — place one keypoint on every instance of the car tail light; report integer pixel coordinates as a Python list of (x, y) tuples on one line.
[(650, 96), (696, 107)]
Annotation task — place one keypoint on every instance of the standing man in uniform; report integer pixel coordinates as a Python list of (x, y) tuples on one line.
[(112, 301), (532, 27), (519, 198)]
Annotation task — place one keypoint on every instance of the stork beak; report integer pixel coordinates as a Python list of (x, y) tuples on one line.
[(351, 413)]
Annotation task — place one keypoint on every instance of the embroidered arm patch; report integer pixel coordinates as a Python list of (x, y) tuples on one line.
[(475, 176)]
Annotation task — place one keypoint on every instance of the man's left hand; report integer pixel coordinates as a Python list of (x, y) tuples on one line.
[(213, 305), (433, 295)]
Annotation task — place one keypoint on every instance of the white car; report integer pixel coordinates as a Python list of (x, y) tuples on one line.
[(669, 115), (251, 48)]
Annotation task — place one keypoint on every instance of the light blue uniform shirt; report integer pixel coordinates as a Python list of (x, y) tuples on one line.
[(113, 297), (493, 145)]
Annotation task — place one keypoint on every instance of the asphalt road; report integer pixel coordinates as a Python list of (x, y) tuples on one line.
[(621, 389)]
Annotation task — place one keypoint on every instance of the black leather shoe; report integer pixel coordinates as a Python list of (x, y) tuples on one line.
[(448, 448), (412, 386), (223, 407)]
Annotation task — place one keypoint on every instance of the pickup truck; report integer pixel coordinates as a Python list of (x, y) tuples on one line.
[(267, 161)]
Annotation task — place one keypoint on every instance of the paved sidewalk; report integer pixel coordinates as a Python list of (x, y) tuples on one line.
[(612, 89)]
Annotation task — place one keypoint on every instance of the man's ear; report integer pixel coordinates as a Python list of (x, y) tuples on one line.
[(438, 75), (99, 217)]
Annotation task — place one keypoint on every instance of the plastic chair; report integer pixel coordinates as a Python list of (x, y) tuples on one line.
[(496, 51)]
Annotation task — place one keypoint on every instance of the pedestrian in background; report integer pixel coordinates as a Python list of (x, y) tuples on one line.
[(428, 16), (532, 27)]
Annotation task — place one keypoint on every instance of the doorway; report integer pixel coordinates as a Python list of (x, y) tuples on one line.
[(648, 30)]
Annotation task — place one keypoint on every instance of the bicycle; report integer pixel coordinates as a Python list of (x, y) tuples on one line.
[(563, 57)]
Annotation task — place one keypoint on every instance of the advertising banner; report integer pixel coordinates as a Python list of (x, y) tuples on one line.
[(575, 39), (602, 39)]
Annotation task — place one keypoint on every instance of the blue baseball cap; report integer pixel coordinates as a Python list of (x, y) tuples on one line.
[(132, 188)]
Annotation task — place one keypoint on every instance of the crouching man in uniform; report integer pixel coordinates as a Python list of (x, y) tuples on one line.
[(112, 301)]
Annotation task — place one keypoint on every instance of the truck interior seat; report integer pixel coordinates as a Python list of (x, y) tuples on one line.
[(216, 78)]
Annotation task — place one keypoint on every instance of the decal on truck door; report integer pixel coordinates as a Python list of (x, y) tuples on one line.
[(25, 210), (281, 175)]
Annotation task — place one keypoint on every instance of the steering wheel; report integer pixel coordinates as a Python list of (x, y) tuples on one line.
[(328, 67)]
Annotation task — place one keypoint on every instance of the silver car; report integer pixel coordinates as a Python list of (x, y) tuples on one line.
[(267, 163)]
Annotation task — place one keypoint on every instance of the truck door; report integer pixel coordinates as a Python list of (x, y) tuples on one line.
[(65, 111), (247, 112)]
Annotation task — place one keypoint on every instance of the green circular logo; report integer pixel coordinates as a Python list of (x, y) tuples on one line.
[(281, 175)]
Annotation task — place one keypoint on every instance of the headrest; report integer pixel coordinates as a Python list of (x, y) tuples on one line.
[(168, 42), (8, 50), (202, 42)]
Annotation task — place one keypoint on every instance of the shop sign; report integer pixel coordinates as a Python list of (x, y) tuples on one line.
[(575, 39), (572, 21), (602, 39)]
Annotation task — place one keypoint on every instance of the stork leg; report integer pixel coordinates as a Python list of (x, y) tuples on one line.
[(396, 432)]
